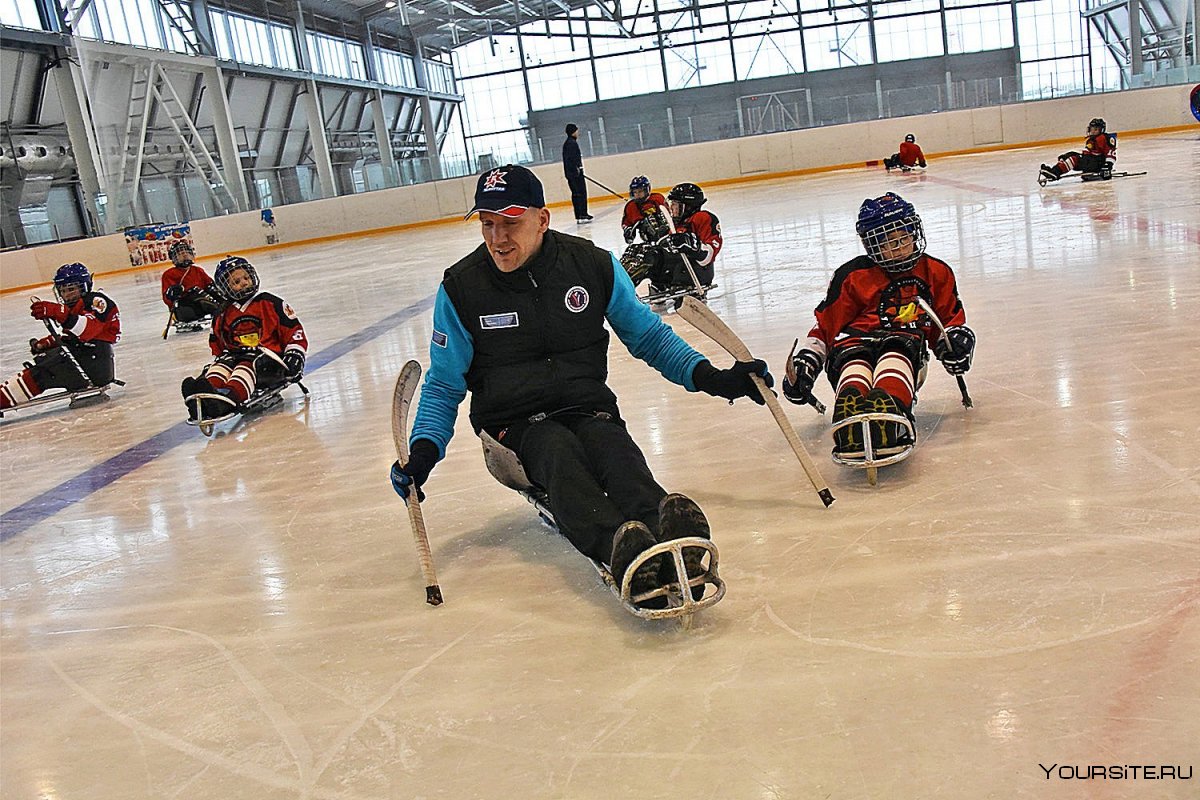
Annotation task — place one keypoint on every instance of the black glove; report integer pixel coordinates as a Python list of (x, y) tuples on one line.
[(1106, 172), (421, 460), (806, 366), (173, 293), (957, 357), (734, 382), (630, 234), (685, 243), (294, 363)]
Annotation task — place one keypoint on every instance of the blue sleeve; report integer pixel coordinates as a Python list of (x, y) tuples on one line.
[(647, 336), (450, 355)]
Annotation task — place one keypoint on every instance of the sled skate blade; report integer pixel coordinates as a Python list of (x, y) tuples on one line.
[(870, 457), (92, 395), (680, 602), (662, 298)]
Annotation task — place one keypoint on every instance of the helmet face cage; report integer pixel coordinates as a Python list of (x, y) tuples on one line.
[(886, 224), (225, 271), (640, 183), (1097, 123), (179, 247), (75, 274)]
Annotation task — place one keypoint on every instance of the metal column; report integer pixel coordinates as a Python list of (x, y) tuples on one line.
[(387, 159), (231, 161), (69, 81), (318, 137)]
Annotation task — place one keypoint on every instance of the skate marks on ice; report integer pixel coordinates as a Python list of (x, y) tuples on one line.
[(309, 765)]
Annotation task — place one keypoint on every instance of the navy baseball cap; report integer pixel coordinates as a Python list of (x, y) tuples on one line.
[(508, 190)]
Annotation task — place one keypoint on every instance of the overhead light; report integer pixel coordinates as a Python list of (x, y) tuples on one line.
[(390, 4)]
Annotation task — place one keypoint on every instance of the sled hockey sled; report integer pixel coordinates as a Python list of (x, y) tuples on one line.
[(191, 327), (871, 458), (88, 396), (682, 601), (262, 399), (675, 296), (1086, 177)]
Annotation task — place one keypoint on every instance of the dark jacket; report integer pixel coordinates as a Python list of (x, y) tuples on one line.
[(548, 356), (572, 158)]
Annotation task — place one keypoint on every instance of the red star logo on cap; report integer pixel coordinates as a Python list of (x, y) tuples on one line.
[(495, 178)]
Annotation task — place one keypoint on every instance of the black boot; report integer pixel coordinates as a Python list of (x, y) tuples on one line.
[(886, 433), (631, 540), (678, 518), (849, 403)]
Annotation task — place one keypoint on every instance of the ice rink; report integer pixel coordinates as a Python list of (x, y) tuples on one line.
[(244, 617)]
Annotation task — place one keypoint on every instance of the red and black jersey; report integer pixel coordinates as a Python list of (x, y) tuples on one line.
[(863, 298), (707, 228), (94, 317), (637, 210), (192, 276), (263, 321), (911, 154), (1102, 144)]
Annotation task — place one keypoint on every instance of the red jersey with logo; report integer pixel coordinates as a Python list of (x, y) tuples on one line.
[(94, 318), (1102, 144), (911, 154), (707, 228), (637, 210), (263, 321), (864, 298), (192, 276)]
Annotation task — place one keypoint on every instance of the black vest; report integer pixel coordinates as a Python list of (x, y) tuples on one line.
[(539, 337)]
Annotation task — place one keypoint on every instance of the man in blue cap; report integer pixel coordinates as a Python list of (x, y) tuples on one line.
[(520, 324)]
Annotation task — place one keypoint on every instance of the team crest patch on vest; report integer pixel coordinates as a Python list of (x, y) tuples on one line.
[(98, 305), (576, 299), (492, 321)]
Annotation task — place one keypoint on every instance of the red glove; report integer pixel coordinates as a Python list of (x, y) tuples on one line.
[(44, 309), (42, 345)]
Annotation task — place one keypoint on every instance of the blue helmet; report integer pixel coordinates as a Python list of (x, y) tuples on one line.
[(640, 182), (879, 222), (225, 269), (74, 274)]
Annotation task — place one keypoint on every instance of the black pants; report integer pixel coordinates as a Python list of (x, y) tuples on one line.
[(54, 370), (594, 474), (578, 195), (671, 273)]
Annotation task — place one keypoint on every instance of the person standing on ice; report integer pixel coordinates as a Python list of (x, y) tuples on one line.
[(520, 324)]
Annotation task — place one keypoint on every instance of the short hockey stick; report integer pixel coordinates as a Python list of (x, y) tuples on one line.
[(707, 322), (962, 384), (812, 398), (406, 387), (687, 262), (60, 336), (605, 188), (170, 322)]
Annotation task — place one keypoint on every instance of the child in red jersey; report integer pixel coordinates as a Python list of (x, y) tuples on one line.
[(251, 323), (910, 156), (185, 286), (871, 333), (1098, 156), (82, 353)]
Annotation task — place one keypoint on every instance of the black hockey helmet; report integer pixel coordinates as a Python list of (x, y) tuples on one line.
[(910, 138), (688, 195), (1097, 122)]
